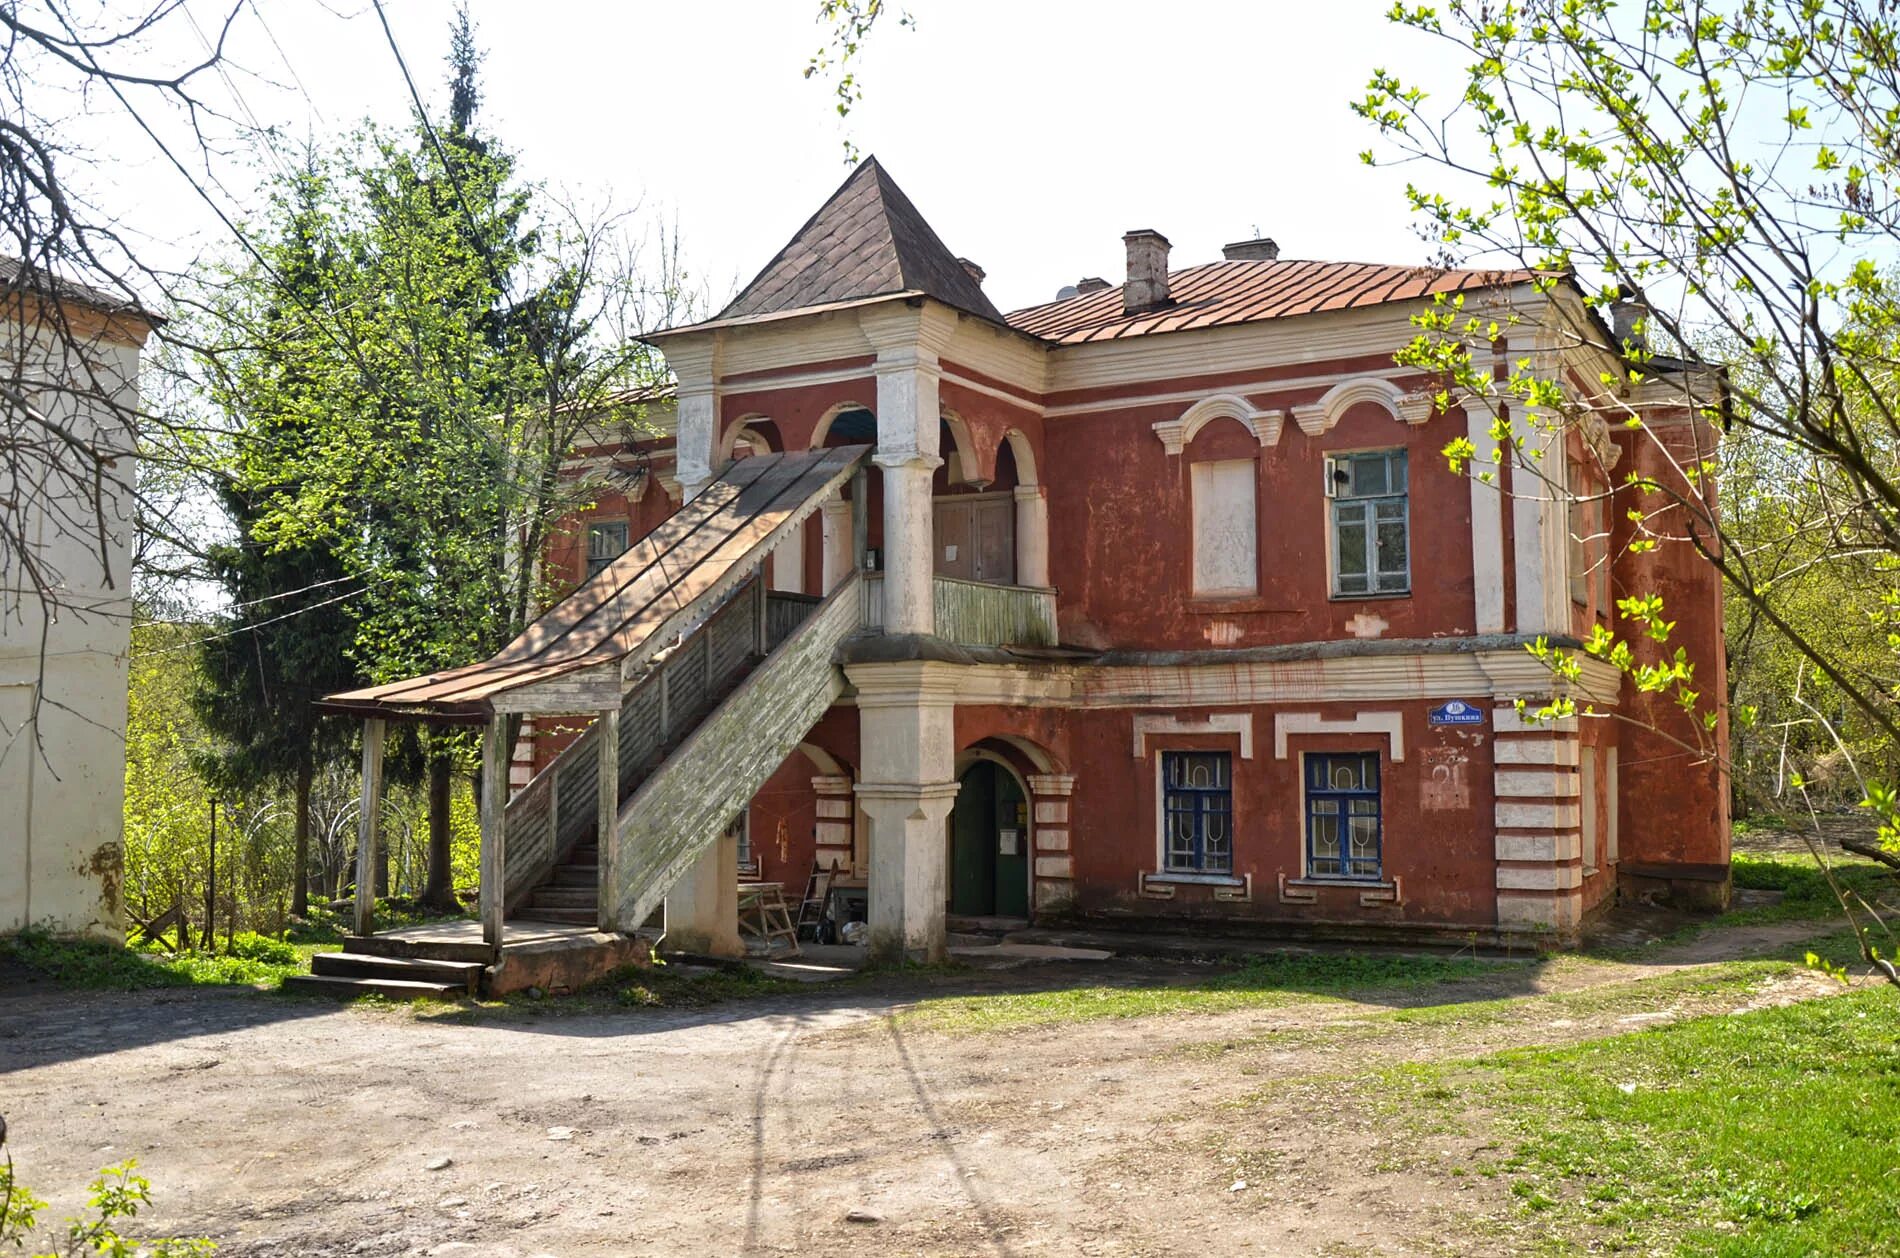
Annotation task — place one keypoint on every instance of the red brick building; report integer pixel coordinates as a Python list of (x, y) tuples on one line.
[(1170, 608), (1274, 646)]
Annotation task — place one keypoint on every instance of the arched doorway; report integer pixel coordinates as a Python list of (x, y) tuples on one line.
[(989, 844)]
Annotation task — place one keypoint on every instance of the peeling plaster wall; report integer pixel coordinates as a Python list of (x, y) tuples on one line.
[(62, 771)]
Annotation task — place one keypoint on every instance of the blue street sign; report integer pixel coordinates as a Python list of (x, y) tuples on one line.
[(1456, 712)]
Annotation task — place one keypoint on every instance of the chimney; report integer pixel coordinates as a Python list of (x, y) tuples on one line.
[(1090, 284), (974, 271), (1147, 286), (1624, 316), (1255, 250)]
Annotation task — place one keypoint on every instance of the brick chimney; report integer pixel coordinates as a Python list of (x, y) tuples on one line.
[(1090, 284), (1147, 286), (1624, 316), (1255, 250), (972, 270)]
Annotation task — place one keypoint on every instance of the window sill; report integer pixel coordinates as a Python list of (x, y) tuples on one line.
[(1364, 884), (1384, 596), (1200, 880)]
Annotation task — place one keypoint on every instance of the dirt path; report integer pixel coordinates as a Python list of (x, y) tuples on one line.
[(283, 1127)]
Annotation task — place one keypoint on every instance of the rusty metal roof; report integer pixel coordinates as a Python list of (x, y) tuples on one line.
[(868, 240), (1219, 294), (658, 586)]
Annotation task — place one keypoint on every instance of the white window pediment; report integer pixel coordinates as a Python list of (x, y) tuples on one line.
[(1175, 434), (1318, 417)]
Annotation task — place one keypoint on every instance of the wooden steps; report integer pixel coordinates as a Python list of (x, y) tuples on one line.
[(571, 894), (360, 971)]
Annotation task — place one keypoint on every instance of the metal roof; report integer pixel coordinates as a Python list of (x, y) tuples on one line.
[(1219, 294), (631, 608)]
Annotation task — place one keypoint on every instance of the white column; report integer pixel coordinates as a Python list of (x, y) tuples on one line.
[(494, 829), (909, 416), (1032, 536), (907, 745), (369, 824), (908, 543), (835, 520), (702, 909), (788, 562), (1487, 526), (608, 835)]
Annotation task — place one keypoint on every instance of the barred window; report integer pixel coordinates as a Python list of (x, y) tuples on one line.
[(1197, 812), (1342, 815)]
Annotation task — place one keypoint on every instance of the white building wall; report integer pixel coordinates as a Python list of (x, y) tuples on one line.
[(62, 758)]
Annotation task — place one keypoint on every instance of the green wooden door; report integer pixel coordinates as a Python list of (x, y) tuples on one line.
[(973, 844)]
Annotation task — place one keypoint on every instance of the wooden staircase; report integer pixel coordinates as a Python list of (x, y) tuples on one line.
[(367, 967), (571, 894)]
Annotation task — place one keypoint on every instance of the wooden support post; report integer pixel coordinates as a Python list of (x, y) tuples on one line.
[(494, 830), (608, 839), (761, 611), (369, 825), (860, 519)]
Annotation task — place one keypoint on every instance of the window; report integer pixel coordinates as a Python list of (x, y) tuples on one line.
[(605, 542), (1371, 531), (1342, 815), (1224, 535), (1198, 812)]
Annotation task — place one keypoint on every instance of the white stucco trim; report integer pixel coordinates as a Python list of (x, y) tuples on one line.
[(1240, 723), (1265, 426), (1487, 527), (1391, 724), (1315, 418)]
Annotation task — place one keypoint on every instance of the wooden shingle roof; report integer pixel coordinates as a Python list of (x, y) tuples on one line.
[(660, 585), (868, 240), (1218, 294)]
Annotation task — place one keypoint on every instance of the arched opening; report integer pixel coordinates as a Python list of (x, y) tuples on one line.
[(975, 524), (989, 839)]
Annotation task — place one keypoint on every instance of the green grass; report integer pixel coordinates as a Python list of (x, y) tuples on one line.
[(1768, 1134), (1804, 892), (1266, 981), (94, 965)]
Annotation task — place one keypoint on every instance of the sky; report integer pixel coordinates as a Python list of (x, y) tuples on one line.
[(1031, 134)]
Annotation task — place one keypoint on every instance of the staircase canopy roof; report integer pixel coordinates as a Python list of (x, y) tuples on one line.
[(635, 607)]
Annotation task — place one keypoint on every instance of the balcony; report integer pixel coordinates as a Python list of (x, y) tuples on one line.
[(973, 613)]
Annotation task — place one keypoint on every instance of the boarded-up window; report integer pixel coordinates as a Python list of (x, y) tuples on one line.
[(1225, 558)]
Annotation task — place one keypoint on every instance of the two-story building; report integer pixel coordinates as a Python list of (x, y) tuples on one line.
[(1163, 605)]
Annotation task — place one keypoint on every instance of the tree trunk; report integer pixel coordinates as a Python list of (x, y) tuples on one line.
[(438, 893), (300, 876)]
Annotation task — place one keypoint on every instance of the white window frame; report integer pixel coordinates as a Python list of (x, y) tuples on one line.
[(1331, 467)]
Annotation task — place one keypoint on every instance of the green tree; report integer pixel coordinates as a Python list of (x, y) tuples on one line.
[(286, 641)]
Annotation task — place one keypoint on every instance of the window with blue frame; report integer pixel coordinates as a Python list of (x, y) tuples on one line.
[(1342, 815), (1197, 812)]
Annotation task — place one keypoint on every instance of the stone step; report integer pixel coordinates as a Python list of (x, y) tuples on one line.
[(394, 989), (548, 896), (466, 975), (563, 916)]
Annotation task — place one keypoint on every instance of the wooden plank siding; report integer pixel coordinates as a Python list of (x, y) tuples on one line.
[(974, 613), (694, 794)]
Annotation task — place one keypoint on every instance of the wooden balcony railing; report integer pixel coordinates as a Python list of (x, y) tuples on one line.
[(972, 613)]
